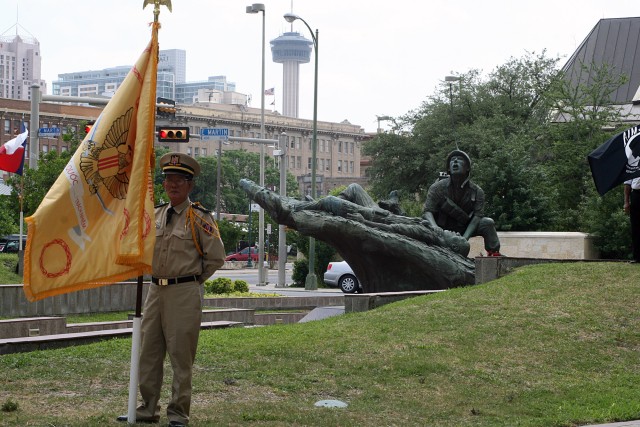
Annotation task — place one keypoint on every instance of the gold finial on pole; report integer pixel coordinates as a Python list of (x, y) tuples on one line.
[(156, 7)]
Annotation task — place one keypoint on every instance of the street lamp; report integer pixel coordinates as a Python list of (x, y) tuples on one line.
[(383, 118), (311, 282), (255, 8), (450, 80)]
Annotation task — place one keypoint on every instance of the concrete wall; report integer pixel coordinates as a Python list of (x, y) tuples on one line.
[(122, 297), (116, 297), (540, 244)]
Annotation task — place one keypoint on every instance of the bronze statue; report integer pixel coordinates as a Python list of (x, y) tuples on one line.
[(387, 252), (457, 204)]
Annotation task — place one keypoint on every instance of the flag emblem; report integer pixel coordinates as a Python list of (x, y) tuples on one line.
[(108, 162)]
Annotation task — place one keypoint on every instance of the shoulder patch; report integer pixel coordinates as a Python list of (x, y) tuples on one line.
[(200, 207)]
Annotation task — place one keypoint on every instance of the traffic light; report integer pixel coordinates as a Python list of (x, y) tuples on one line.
[(173, 134), (165, 107)]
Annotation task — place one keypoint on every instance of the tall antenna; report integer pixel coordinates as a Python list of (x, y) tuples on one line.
[(291, 23)]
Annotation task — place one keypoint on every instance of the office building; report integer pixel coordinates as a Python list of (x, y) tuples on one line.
[(171, 83), (339, 144), (20, 66)]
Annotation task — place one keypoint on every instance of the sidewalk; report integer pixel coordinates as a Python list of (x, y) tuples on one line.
[(621, 424)]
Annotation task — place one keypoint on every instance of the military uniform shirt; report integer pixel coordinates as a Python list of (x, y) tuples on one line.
[(470, 198), (175, 253)]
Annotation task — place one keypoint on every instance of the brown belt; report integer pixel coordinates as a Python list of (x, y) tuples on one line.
[(173, 280)]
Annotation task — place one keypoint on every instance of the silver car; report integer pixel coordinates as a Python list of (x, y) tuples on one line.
[(339, 274)]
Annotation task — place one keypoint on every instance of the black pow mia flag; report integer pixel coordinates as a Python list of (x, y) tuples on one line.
[(616, 161)]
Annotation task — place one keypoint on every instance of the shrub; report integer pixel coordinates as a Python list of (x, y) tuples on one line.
[(300, 271), (220, 285), (241, 286)]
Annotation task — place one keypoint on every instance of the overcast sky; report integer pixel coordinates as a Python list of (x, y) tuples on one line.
[(375, 58)]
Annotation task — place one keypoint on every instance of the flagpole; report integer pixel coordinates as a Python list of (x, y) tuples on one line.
[(134, 372), (136, 335), (21, 210)]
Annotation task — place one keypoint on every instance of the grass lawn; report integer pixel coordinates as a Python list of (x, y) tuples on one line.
[(547, 345)]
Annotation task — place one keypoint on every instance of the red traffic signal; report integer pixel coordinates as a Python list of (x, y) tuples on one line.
[(173, 134)]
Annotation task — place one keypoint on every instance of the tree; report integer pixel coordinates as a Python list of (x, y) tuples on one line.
[(581, 112), (496, 119), (528, 130)]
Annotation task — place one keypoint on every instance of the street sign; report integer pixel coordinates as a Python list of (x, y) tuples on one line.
[(214, 134), (49, 132)]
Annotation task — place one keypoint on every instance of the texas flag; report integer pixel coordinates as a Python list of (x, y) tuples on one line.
[(12, 154)]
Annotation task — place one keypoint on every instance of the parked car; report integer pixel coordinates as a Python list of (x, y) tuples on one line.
[(243, 255), (11, 243), (339, 274)]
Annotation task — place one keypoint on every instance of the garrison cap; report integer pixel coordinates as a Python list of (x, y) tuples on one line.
[(179, 163)]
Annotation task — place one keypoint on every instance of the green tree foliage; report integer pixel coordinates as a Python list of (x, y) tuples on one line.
[(9, 219), (35, 183), (584, 111), (528, 133), (230, 233), (496, 121)]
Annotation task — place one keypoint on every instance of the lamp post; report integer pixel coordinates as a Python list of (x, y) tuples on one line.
[(450, 80), (282, 235), (311, 283), (383, 118), (219, 177), (249, 261), (255, 8)]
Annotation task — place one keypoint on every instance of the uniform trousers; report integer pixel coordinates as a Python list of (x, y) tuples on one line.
[(634, 217), (487, 229), (170, 324)]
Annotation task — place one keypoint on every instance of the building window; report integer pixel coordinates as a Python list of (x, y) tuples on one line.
[(189, 151), (299, 162), (7, 127), (339, 166), (197, 151), (309, 163)]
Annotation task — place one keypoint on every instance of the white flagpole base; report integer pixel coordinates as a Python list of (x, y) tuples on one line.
[(134, 372)]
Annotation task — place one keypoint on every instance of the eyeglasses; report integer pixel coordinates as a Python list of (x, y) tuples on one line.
[(175, 179)]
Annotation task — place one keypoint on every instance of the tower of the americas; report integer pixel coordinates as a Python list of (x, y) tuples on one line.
[(291, 50)]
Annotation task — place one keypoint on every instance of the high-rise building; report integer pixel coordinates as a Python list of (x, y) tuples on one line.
[(20, 63), (291, 50), (171, 83), (173, 61)]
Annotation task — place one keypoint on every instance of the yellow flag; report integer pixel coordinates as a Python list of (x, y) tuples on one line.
[(96, 224)]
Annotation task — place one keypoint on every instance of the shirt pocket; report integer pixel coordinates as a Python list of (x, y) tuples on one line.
[(181, 240)]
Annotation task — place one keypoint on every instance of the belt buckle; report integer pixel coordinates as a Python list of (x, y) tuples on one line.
[(163, 282)]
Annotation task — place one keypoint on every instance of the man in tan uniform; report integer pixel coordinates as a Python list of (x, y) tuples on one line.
[(187, 252)]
